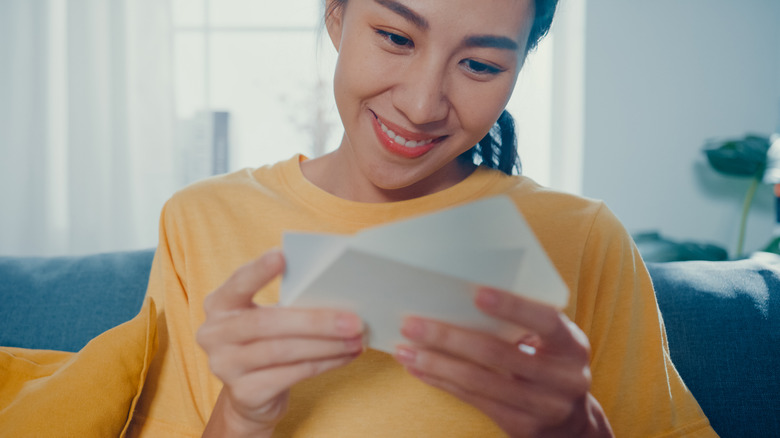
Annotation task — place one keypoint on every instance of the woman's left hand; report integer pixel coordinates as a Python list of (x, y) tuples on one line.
[(536, 386)]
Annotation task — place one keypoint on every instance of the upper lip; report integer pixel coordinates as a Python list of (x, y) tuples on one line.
[(413, 136)]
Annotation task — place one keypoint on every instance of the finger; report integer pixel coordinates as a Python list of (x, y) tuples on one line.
[(255, 389), (514, 422), (270, 322), (237, 292), (470, 379), (478, 347), (234, 361), (553, 327), (562, 373), (507, 418)]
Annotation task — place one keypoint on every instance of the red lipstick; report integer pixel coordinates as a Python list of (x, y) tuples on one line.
[(424, 143)]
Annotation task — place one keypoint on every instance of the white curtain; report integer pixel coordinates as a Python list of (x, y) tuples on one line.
[(87, 148)]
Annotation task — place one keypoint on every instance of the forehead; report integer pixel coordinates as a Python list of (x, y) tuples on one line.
[(512, 18)]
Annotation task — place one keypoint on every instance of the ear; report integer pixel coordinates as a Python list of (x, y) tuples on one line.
[(334, 21)]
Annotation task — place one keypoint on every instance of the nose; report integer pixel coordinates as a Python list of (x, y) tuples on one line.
[(421, 94)]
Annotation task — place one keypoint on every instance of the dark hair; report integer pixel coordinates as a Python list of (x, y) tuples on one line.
[(498, 149)]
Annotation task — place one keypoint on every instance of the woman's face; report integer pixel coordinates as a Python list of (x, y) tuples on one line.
[(418, 82)]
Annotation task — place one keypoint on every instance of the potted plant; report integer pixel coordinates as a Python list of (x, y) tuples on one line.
[(754, 156)]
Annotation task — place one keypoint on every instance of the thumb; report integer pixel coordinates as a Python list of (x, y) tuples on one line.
[(237, 292)]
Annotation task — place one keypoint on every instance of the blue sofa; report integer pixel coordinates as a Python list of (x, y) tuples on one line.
[(722, 320)]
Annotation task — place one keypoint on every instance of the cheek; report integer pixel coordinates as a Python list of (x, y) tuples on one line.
[(479, 111), (359, 74), (347, 91)]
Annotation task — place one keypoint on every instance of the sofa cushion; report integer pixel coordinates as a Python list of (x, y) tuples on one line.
[(723, 326), (91, 393), (60, 303)]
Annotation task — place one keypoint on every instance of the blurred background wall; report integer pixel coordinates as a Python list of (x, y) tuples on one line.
[(661, 77)]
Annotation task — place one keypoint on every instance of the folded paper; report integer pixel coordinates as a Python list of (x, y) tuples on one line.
[(429, 266)]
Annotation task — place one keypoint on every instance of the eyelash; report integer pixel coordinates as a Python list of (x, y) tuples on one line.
[(395, 39), (481, 68), (475, 67)]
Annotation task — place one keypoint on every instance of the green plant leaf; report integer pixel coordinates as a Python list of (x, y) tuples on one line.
[(739, 157)]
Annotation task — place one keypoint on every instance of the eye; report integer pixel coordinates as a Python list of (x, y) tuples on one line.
[(480, 68), (395, 39)]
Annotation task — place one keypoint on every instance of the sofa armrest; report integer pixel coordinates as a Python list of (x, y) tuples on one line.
[(723, 325), (60, 303)]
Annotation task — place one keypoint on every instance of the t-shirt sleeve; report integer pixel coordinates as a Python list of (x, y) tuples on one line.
[(172, 402), (633, 376)]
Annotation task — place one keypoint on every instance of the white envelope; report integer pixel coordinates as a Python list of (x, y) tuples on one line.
[(428, 265)]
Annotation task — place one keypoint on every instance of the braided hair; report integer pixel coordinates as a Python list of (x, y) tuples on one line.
[(498, 149)]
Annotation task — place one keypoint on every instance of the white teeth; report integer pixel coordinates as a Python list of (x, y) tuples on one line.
[(402, 141)]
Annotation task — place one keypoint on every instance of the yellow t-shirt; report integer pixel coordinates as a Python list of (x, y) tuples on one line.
[(211, 228)]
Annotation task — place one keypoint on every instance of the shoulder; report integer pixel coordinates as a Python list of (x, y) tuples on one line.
[(228, 190), (575, 231), (552, 209), (246, 179)]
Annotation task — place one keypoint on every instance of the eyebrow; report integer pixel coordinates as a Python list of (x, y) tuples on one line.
[(491, 41), (408, 14), (488, 41)]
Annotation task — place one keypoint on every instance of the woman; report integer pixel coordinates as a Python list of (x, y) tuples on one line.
[(418, 83)]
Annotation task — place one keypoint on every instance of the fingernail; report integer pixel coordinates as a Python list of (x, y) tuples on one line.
[(405, 355), (348, 324), (487, 298), (413, 328)]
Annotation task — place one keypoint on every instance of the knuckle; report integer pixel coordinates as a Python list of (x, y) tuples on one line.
[(587, 377), (208, 304), (582, 387), (554, 324), (583, 382), (202, 337), (575, 384), (584, 352), (582, 344), (207, 337), (220, 366)]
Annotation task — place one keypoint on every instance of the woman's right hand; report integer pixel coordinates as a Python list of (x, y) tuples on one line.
[(260, 352)]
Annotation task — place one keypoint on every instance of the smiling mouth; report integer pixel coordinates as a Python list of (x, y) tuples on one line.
[(406, 144), (401, 140)]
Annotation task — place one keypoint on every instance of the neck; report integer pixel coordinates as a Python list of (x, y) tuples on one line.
[(336, 174)]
